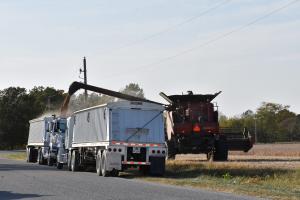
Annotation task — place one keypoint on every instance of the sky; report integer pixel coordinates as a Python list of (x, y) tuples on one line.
[(249, 50)]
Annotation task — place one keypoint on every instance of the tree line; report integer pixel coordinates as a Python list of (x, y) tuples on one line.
[(271, 122), (18, 106)]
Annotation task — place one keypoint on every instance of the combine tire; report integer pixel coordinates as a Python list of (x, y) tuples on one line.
[(221, 150), (75, 161), (171, 149)]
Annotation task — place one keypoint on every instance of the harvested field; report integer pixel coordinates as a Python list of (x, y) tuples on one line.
[(285, 156)]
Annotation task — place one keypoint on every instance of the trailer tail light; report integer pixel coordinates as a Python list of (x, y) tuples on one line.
[(196, 128)]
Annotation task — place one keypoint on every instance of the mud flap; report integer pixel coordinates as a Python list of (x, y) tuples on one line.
[(157, 166), (114, 161)]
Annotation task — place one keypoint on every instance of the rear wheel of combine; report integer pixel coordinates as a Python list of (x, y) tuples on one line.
[(221, 149), (75, 161), (98, 163), (171, 149), (209, 156)]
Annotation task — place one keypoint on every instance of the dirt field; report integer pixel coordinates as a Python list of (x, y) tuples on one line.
[(281, 155)]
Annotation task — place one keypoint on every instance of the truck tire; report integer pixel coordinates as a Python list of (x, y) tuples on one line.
[(28, 156), (50, 161), (221, 149), (59, 165), (41, 159), (69, 160), (114, 173), (32, 155), (145, 169), (98, 163), (75, 161), (103, 165)]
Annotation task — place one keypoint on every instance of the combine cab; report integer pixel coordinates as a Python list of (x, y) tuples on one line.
[(192, 127)]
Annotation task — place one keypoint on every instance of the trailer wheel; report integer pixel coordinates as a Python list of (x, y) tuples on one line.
[(103, 165), (98, 163), (221, 150), (114, 173), (41, 159), (32, 155), (69, 160), (28, 157), (59, 165), (145, 169), (75, 161), (50, 161)]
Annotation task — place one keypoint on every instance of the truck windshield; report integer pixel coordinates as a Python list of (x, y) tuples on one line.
[(62, 126)]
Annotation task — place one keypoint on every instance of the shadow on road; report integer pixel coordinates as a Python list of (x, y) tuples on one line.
[(11, 195)]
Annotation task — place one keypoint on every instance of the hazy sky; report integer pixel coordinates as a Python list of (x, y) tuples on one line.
[(43, 42)]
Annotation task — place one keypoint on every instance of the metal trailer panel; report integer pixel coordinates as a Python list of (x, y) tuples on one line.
[(37, 131), (90, 126), (121, 119), (139, 126)]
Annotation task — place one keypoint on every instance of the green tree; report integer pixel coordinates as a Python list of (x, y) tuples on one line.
[(133, 89)]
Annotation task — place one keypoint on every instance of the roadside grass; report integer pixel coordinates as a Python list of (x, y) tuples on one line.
[(231, 177), (15, 155)]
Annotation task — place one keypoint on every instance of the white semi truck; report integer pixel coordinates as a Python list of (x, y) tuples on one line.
[(115, 136), (46, 141)]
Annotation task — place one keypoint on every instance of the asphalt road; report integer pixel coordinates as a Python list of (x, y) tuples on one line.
[(20, 180)]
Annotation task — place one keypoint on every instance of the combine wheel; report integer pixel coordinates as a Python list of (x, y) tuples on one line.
[(221, 150), (171, 149), (209, 156)]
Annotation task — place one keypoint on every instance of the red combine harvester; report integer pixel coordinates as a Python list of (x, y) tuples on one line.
[(192, 127)]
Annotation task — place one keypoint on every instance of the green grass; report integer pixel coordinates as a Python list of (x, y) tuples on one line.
[(231, 177), (15, 156)]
